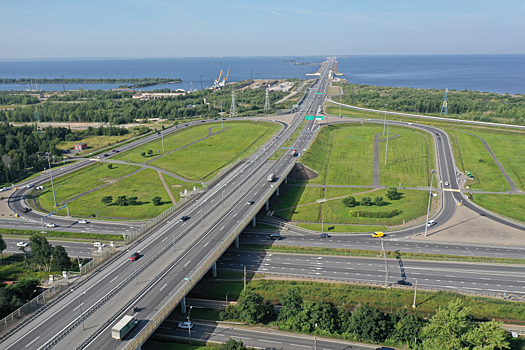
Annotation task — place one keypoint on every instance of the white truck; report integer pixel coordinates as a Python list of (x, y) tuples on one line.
[(271, 177), (123, 327), (292, 153)]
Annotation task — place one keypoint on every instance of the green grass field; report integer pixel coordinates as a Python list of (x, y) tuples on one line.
[(342, 228), (413, 205), (410, 158), (80, 181), (512, 205), (387, 300), (291, 196), (173, 141), (176, 186), (145, 185), (95, 142), (205, 159), (474, 157), (344, 155), (288, 142), (506, 143)]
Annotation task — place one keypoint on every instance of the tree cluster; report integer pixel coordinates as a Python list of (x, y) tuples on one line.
[(350, 201), (472, 105), (43, 257), (17, 98), (124, 201), (452, 328)]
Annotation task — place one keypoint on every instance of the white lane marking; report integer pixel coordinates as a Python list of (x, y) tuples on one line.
[(76, 308), (270, 341), (187, 263), (113, 279), (32, 342), (302, 346), (164, 286)]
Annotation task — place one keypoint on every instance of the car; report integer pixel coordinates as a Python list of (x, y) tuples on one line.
[(134, 256), (83, 221), (202, 121), (404, 283), (446, 183), (5, 189), (26, 209), (22, 244), (223, 118), (274, 236), (29, 186), (378, 234), (158, 133), (113, 150), (17, 215), (324, 235), (215, 119), (106, 155), (99, 245), (431, 223), (185, 325), (184, 218), (51, 225), (98, 157), (250, 202)]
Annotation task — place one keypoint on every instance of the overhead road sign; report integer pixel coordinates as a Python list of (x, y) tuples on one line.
[(319, 117), (309, 117)]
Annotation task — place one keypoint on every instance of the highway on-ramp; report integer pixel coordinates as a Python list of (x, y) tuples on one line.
[(162, 268)]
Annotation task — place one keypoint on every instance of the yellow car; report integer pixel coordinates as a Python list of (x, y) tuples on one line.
[(378, 234)]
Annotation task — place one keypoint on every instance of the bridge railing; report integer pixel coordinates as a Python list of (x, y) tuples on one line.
[(32, 305), (192, 280)]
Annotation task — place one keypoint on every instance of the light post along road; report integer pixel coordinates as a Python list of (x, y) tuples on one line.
[(110, 290)]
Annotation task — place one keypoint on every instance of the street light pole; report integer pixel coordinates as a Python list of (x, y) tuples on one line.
[(135, 266), (386, 265), (189, 323), (429, 198), (162, 136), (80, 306), (386, 151), (51, 175), (415, 293), (384, 121)]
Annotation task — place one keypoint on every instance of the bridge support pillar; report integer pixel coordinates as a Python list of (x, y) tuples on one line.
[(254, 222), (277, 191), (183, 305), (237, 242), (214, 270), (267, 205), (286, 179)]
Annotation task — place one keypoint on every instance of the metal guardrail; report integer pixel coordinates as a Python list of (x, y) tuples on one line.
[(97, 260), (32, 305), (389, 256)]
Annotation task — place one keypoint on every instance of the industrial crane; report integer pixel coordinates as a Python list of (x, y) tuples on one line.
[(224, 80)]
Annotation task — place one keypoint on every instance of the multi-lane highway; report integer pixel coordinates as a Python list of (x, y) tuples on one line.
[(488, 279), (391, 243), (256, 338), (162, 268), (74, 249)]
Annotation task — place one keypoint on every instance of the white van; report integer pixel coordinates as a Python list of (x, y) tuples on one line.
[(99, 245)]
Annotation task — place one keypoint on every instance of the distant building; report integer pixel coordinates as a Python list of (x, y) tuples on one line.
[(80, 147), (157, 95)]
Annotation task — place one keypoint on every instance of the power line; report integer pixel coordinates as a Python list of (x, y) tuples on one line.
[(267, 102), (233, 108)]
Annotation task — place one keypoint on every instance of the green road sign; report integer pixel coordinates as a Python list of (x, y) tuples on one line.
[(309, 117), (319, 93)]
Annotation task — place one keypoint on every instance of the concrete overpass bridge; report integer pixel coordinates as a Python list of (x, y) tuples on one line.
[(173, 257)]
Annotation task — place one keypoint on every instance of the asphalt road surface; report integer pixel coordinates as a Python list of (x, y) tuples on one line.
[(487, 279), (391, 243), (74, 249), (162, 268), (257, 338)]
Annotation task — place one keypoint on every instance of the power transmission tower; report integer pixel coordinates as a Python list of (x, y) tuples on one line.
[(38, 126), (267, 102), (233, 109), (445, 105)]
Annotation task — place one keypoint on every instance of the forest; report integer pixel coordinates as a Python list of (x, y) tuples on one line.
[(21, 144), (466, 104), (117, 107)]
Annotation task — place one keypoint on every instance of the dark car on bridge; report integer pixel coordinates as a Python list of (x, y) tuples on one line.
[(134, 256), (184, 218), (404, 283)]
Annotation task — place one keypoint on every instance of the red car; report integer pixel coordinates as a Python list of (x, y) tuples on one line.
[(134, 256)]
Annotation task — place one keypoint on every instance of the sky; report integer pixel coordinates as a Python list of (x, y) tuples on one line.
[(199, 28)]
